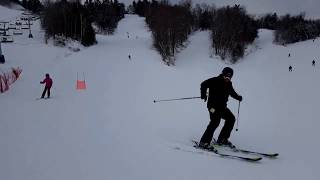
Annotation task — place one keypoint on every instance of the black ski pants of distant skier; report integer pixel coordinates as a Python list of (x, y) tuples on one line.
[(46, 89), (215, 119)]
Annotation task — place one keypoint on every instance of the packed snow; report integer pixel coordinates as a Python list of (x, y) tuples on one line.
[(114, 130)]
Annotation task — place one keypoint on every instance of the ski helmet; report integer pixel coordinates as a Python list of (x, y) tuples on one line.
[(227, 71)]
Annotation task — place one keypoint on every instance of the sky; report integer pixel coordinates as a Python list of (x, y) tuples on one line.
[(114, 130), (257, 7)]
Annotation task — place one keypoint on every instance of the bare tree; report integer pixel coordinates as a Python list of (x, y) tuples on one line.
[(68, 20), (170, 26), (232, 30), (293, 29)]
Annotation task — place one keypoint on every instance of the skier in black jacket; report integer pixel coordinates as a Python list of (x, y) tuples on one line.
[(220, 88)]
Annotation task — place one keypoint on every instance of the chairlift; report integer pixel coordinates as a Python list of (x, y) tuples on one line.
[(27, 13), (24, 18), (6, 39), (23, 26), (17, 32), (4, 26), (27, 23), (12, 26), (34, 18), (18, 23)]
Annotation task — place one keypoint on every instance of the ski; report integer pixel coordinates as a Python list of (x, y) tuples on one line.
[(270, 155), (236, 149), (42, 98), (213, 150)]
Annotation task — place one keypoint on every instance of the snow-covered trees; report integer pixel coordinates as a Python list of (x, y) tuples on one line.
[(232, 30), (105, 14), (32, 5), (170, 26), (74, 20), (68, 19), (293, 29), (290, 29)]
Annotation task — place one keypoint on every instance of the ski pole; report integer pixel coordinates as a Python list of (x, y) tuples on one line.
[(238, 117), (176, 99)]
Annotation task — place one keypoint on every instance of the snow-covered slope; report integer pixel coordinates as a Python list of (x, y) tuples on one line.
[(113, 130), (7, 14)]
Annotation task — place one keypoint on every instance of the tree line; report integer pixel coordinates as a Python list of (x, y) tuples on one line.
[(81, 21), (62, 19), (105, 14), (67, 20), (231, 28), (290, 29), (170, 26), (34, 6)]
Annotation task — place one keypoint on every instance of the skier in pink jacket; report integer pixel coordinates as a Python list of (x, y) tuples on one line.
[(48, 84)]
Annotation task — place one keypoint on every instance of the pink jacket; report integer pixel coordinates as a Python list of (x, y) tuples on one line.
[(48, 82)]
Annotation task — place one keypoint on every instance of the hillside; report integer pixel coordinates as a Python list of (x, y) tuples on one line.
[(113, 130)]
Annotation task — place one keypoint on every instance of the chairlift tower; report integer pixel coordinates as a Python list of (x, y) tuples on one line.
[(30, 35), (2, 60), (4, 29)]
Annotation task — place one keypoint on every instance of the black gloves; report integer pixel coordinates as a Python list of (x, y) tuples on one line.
[(240, 98)]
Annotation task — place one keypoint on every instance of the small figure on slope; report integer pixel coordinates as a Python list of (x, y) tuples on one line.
[(48, 84)]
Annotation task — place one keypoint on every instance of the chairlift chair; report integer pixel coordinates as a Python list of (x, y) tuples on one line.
[(12, 26), (6, 39), (17, 32), (4, 26), (23, 26)]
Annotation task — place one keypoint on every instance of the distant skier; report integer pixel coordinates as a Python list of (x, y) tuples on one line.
[(48, 84), (313, 63), (290, 68), (220, 88), (289, 55), (129, 57)]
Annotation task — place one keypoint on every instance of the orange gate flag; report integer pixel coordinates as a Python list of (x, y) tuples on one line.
[(81, 85)]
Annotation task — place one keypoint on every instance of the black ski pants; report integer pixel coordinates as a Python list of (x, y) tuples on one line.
[(215, 119), (46, 89)]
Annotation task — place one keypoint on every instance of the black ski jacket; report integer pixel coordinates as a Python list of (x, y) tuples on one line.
[(219, 91)]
